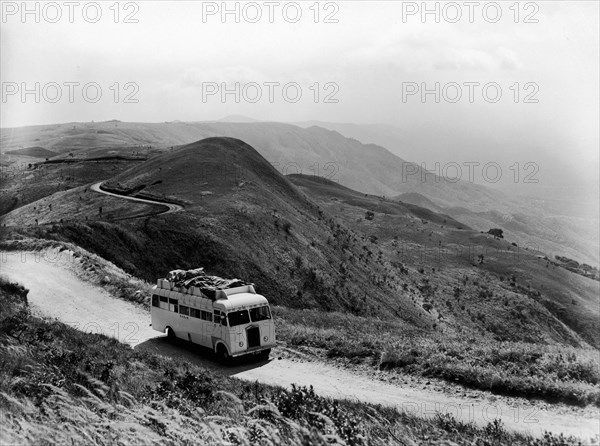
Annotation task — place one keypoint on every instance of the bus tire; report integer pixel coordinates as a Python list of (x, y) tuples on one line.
[(223, 354), (171, 337)]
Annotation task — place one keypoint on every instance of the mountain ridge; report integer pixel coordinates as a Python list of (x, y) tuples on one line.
[(368, 168)]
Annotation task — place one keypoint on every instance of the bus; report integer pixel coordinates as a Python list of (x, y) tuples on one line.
[(236, 322)]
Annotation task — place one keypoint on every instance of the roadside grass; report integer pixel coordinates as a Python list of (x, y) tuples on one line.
[(547, 372), (59, 386)]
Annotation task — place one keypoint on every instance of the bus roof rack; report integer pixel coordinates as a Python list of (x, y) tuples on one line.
[(198, 283)]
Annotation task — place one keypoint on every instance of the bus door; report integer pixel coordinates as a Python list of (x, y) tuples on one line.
[(218, 329)]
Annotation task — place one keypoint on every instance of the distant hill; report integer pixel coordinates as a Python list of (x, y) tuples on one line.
[(553, 226), (365, 167), (37, 152), (237, 118), (419, 200), (327, 189)]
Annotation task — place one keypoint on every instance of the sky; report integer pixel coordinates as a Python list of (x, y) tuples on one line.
[(358, 62)]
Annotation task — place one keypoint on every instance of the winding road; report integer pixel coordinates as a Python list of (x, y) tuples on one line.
[(171, 207), (57, 291)]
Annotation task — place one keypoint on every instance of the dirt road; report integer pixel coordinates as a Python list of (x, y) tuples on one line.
[(171, 207), (57, 292)]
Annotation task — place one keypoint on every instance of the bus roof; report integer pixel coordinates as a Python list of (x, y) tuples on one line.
[(240, 300)]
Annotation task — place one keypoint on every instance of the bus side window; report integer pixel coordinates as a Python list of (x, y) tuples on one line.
[(173, 305), (184, 310), (164, 303), (155, 300), (194, 312), (206, 316), (217, 317), (224, 320)]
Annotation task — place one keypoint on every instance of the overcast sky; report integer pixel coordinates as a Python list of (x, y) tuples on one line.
[(368, 57)]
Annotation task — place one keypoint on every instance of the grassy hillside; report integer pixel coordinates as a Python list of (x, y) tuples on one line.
[(326, 191), (36, 152), (59, 385), (76, 204), (24, 182), (551, 373), (470, 281), (243, 219)]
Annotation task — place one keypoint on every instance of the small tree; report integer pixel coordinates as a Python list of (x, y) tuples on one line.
[(496, 232)]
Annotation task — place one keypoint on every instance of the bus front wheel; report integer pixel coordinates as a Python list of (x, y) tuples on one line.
[(223, 354), (171, 335)]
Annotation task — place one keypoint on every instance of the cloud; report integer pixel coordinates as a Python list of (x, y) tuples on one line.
[(196, 76), (444, 50), (507, 59)]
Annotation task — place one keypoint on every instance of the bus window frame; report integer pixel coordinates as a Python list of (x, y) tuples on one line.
[(238, 311), (270, 316)]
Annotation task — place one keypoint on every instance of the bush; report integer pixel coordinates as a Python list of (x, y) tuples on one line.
[(496, 232), (15, 289), (302, 403)]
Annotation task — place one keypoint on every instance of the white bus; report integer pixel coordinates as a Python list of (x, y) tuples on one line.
[(237, 322)]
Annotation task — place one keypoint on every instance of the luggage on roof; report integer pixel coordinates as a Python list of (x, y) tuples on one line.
[(178, 275), (208, 285)]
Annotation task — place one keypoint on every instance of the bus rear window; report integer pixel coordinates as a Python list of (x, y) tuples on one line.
[(260, 314), (238, 318)]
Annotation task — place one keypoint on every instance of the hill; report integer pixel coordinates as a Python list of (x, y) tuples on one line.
[(36, 152), (76, 204), (419, 200), (554, 226), (242, 218), (324, 189), (215, 167), (237, 118), (311, 243), (467, 279)]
